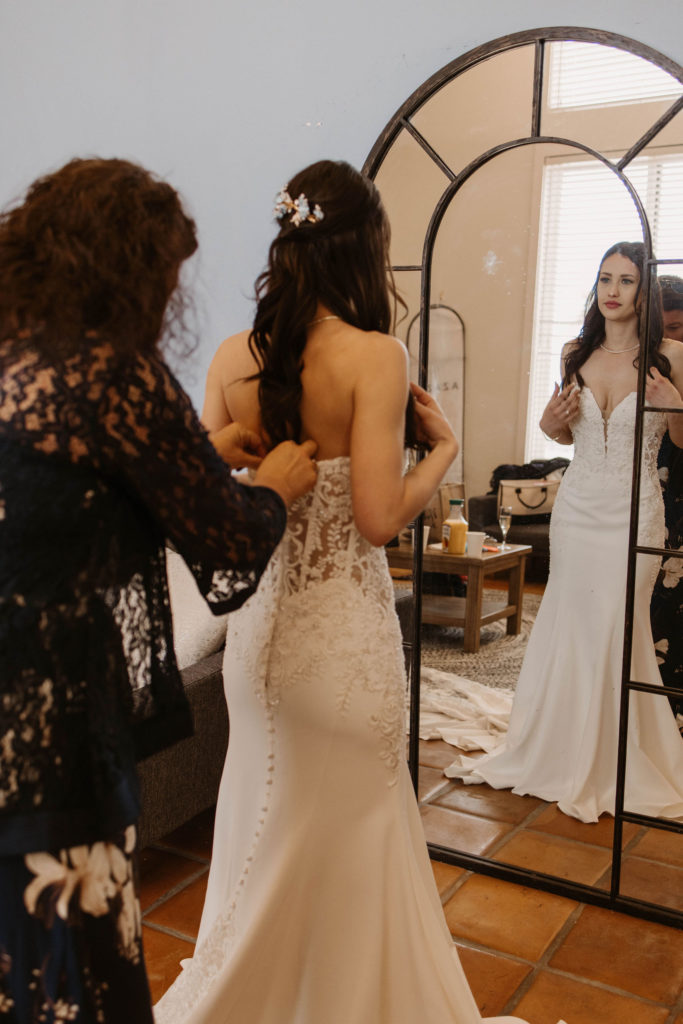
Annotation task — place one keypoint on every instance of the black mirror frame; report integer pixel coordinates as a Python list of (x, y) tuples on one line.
[(401, 121)]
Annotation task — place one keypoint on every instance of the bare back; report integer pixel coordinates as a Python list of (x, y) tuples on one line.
[(355, 389), (337, 361)]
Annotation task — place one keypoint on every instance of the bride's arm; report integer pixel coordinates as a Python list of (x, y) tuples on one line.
[(562, 406), (235, 443), (384, 500), (215, 414)]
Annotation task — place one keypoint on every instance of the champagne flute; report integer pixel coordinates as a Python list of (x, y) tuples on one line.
[(504, 520)]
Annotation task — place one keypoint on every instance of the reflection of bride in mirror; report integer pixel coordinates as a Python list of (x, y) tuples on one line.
[(562, 740)]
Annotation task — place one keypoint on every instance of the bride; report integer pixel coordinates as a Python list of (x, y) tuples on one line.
[(321, 905), (562, 738)]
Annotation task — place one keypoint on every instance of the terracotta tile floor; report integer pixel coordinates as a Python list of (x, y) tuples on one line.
[(525, 952), (530, 833), (540, 956)]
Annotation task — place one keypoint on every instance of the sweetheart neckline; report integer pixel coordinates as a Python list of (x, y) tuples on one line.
[(606, 419)]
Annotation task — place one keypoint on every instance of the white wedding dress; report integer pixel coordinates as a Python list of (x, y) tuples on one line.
[(321, 906), (561, 743)]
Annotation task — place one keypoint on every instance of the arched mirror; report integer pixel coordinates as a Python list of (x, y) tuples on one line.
[(505, 177)]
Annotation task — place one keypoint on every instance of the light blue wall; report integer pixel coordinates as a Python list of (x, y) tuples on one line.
[(216, 95)]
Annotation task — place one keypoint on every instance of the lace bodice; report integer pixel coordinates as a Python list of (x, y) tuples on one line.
[(322, 541), (321, 545), (603, 464), (326, 596), (604, 449), (103, 462)]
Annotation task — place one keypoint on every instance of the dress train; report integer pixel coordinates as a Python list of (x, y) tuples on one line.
[(321, 905)]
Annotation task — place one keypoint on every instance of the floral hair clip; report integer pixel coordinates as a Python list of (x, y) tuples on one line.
[(298, 210)]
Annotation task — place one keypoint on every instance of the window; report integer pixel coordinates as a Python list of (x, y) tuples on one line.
[(583, 75), (584, 210)]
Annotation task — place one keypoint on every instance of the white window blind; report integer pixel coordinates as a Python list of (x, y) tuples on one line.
[(585, 210), (583, 75)]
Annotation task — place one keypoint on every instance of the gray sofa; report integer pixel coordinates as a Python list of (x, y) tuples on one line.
[(183, 780)]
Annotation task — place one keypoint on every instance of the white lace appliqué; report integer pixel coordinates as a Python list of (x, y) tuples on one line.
[(319, 610), (604, 461), (606, 454), (323, 616)]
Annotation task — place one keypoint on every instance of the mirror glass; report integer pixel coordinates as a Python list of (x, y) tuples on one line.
[(657, 174), (411, 184), (486, 262), (514, 258), (602, 97), (483, 107)]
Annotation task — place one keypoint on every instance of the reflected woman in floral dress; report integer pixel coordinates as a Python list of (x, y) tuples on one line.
[(667, 598)]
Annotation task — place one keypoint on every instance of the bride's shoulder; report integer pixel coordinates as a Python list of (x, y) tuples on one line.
[(233, 353), (567, 349), (673, 350), (380, 360), (378, 346), (233, 344)]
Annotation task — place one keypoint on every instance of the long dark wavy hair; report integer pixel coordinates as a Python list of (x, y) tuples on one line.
[(592, 334), (94, 250), (340, 261)]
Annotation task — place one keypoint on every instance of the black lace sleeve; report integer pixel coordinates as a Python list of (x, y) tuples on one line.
[(152, 442)]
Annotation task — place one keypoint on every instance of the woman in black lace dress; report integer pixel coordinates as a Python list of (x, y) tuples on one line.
[(103, 463)]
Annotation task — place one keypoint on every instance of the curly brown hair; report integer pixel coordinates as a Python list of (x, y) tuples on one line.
[(94, 250)]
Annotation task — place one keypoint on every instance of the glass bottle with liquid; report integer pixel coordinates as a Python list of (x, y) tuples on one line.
[(454, 530)]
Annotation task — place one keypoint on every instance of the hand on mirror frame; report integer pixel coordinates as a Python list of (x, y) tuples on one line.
[(240, 447), (289, 469), (560, 410), (660, 392), (432, 425)]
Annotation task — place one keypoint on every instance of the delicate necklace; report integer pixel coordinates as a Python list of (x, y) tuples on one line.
[(320, 319), (618, 351)]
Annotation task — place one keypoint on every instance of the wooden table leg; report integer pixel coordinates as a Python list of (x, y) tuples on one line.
[(516, 595), (475, 589)]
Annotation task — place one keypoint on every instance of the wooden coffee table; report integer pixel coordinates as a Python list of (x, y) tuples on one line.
[(470, 612)]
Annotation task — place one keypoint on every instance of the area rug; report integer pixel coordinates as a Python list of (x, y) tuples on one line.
[(499, 659), (466, 699)]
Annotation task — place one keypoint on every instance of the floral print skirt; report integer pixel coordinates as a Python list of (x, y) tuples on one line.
[(666, 610), (71, 937)]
